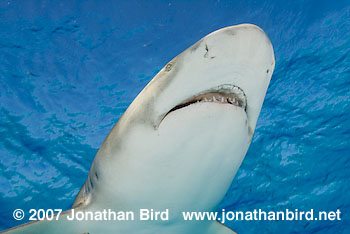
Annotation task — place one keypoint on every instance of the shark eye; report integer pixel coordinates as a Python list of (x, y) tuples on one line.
[(168, 67)]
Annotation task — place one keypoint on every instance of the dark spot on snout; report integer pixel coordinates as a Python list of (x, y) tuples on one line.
[(267, 71), (195, 46), (231, 32), (96, 175)]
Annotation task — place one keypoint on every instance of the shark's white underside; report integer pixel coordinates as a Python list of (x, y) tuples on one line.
[(171, 152)]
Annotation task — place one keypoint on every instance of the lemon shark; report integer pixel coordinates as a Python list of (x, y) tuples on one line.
[(181, 141)]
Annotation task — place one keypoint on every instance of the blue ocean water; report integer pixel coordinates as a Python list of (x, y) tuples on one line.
[(69, 69)]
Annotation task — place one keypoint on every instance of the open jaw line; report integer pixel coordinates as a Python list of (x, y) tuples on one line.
[(224, 94)]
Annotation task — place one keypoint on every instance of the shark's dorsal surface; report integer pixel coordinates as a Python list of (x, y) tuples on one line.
[(181, 141)]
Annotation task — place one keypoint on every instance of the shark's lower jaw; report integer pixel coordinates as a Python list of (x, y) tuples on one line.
[(223, 94)]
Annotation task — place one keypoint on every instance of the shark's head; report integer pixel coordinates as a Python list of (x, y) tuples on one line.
[(232, 66), (187, 132)]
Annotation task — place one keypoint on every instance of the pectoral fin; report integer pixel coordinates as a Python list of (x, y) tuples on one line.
[(59, 226), (219, 228)]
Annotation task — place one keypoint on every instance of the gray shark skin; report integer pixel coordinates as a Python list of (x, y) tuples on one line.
[(181, 141)]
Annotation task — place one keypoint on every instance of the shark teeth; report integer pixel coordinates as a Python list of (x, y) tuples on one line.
[(224, 94), (233, 95), (220, 99)]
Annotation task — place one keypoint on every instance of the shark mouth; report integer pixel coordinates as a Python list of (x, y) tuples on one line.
[(224, 94)]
